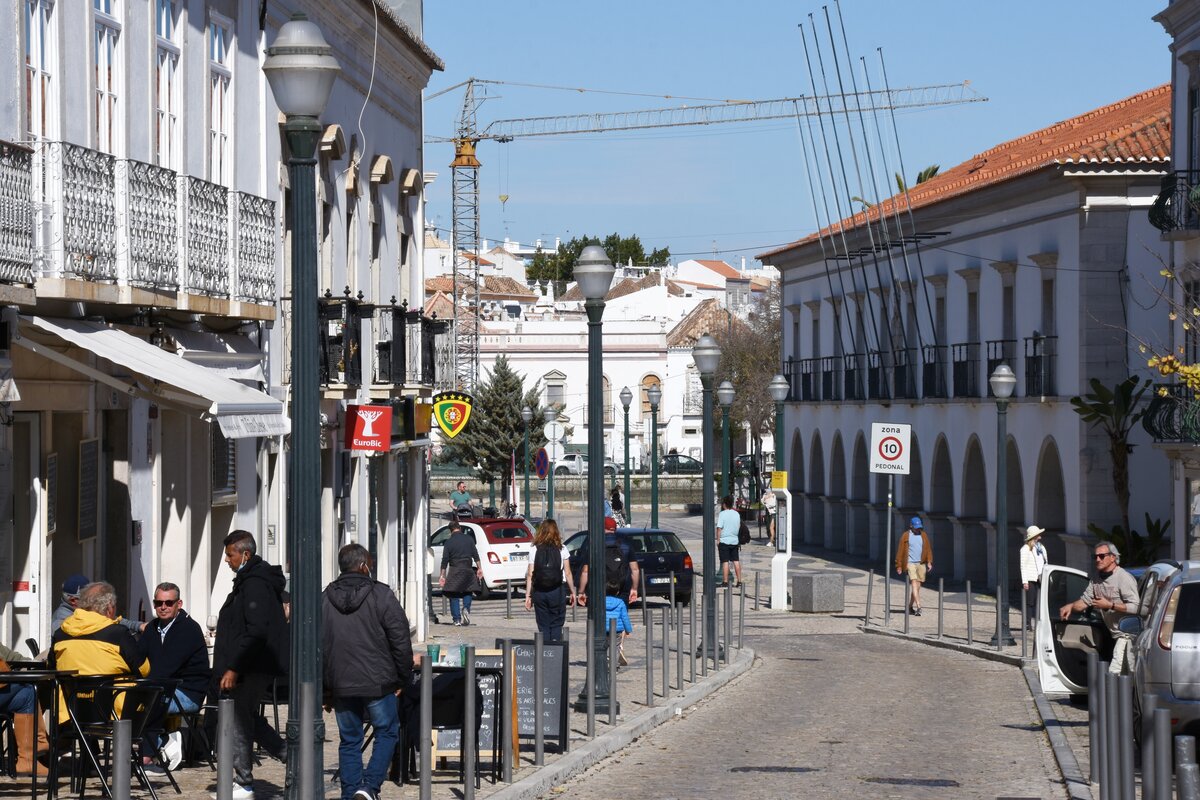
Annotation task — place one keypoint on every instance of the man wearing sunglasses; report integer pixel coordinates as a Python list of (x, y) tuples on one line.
[(1113, 592), (175, 646)]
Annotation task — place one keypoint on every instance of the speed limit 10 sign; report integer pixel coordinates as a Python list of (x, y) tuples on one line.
[(889, 447)]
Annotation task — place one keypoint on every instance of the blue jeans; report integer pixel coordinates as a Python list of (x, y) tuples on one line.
[(182, 704), (455, 599), (384, 715), (18, 699)]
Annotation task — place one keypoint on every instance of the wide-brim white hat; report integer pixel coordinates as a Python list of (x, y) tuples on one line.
[(1032, 532)]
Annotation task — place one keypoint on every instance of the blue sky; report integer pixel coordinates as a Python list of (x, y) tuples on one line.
[(741, 188)]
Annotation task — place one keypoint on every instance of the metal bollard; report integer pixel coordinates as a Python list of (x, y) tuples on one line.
[(907, 594), (1185, 749), (666, 656), (1099, 754), (574, 605), (692, 639), (508, 601), (613, 645), (1187, 776), (1162, 753), (426, 729), (642, 595), (1125, 734), (678, 612), (1112, 745), (941, 607), (507, 680), (1149, 704), (308, 714), (728, 626), (741, 614), (1093, 673), (1024, 621), (539, 736), (469, 745), (970, 625), (591, 678), (225, 749), (870, 586), (122, 758), (649, 666), (999, 614), (756, 601), (671, 596), (703, 644)]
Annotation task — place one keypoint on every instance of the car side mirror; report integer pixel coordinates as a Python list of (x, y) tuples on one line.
[(1130, 626)]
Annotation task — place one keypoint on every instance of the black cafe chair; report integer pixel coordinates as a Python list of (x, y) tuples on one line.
[(449, 714), (91, 703)]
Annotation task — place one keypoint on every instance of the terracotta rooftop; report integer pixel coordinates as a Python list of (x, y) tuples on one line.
[(491, 287), (706, 317), (1134, 130), (621, 288), (441, 305), (719, 267)]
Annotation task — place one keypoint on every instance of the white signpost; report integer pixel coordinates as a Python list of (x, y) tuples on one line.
[(889, 455)]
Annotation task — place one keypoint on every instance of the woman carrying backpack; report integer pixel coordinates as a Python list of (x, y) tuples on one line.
[(548, 573)]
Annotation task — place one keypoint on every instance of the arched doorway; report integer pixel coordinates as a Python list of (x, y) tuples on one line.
[(1049, 501), (974, 512), (815, 531), (941, 507), (858, 527), (798, 512)]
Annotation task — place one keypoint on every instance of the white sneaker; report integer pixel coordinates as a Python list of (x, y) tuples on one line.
[(172, 751), (239, 793)]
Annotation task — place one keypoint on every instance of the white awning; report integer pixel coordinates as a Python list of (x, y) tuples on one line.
[(230, 355), (164, 378), (8, 387)]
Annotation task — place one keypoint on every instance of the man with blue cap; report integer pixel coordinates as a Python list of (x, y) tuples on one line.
[(915, 556), (70, 599)]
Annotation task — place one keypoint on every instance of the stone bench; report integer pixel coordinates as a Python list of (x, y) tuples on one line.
[(818, 592)]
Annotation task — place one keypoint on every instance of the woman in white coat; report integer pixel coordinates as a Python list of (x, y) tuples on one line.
[(1033, 561)]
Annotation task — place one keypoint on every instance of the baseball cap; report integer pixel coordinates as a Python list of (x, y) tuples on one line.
[(915, 522), (73, 584)]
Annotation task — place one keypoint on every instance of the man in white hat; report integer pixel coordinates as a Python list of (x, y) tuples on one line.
[(1033, 561)]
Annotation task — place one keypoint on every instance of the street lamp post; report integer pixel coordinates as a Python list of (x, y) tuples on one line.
[(549, 415), (526, 417), (626, 399), (301, 70), (778, 387), (594, 274), (654, 395), (1003, 382), (707, 356), (725, 398)]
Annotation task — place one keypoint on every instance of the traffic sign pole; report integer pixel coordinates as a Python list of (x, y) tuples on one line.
[(890, 456)]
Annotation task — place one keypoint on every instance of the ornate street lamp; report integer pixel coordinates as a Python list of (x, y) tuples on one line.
[(526, 417), (707, 356), (301, 70), (654, 395), (627, 398), (594, 274), (778, 388), (1003, 382), (549, 415), (725, 398)]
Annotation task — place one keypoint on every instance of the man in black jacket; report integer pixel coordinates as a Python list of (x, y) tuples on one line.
[(367, 656), (251, 647), (175, 646)]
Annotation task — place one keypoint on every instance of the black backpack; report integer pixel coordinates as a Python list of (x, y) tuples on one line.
[(616, 568), (547, 569)]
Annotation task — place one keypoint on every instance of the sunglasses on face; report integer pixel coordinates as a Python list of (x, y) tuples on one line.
[(1102, 556), (161, 603)]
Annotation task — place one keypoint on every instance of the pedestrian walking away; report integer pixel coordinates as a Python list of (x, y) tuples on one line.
[(547, 581), (914, 556), (367, 658), (616, 609), (619, 563), (616, 499), (1114, 593), (1033, 562), (729, 523), (251, 647), (461, 573), (770, 504)]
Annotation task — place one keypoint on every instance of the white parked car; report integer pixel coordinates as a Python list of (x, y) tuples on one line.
[(504, 546)]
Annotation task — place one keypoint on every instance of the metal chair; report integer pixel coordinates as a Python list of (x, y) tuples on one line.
[(92, 702)]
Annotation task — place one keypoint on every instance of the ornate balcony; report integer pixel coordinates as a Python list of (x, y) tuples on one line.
[(16, 214), (206, 217), (809, 388), (255, 254), (341, 350), (1175, 207), (88, 219), (965, 357), (933, 378), (1175, 417), (151, 196), (1041, 363)]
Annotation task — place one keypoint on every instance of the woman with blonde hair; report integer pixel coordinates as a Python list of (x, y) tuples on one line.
[(1033, 562), (546, 579)]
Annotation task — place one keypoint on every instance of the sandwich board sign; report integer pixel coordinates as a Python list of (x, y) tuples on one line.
[(889, 452)]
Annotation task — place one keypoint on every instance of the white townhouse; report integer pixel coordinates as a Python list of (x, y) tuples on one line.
[(1037, 253), (144, 290)]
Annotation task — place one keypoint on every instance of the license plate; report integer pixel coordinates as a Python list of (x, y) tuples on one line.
[(661, 580), (519, 557)]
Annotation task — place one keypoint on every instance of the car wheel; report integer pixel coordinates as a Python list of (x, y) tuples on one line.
[(562, 471)]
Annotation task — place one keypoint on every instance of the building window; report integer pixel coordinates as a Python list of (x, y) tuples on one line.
[(647, 382), (40, 58), (816, 336), (1048, 320), (972, 316), (107, 77), (166, 85), (220, 77), (224, 465), (555, 395)]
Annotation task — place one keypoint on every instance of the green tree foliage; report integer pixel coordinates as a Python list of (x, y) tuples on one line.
[(496, 431), (559, 265), (1115, 411), (922, 176)]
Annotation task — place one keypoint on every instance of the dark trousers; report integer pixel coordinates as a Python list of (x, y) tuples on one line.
[(246, 697), (550, 609), (1031, 599)]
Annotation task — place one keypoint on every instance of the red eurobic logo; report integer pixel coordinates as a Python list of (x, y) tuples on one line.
[(369, 428)]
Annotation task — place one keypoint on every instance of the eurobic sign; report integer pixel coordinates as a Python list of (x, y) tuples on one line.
[(369, 428)]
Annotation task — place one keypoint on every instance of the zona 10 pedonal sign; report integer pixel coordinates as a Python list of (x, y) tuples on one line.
[(889, 447)]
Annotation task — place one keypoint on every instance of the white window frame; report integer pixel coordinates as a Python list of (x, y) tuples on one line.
[(167, 57), (220, 95), (107, 76), (41, 59)]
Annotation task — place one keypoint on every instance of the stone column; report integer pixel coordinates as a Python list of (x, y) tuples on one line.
[(835, 524)]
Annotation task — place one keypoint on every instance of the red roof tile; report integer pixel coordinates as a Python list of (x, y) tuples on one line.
[(720, 267), (1136, 129)]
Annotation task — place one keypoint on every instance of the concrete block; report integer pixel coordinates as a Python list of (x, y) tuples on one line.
[(818, 592)]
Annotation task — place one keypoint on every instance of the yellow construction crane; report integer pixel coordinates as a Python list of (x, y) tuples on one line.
[(465, 166)]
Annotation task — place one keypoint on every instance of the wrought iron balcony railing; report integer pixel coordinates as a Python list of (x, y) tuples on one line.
[(1175, 207), (904, 376), (16, 214), (853, 373), (933, 379), (341, 349), (1173, 414), (1001, 351), (831, 384), (809, 387), (1041, 365), (965, 357)]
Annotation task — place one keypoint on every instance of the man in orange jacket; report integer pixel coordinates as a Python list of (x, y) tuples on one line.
[(915, 556)]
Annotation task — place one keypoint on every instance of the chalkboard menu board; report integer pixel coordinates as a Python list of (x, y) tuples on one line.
[(449, 742), (89, 488), (555, 660)]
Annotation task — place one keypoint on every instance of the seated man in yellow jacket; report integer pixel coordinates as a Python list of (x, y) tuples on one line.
[(92, 643)]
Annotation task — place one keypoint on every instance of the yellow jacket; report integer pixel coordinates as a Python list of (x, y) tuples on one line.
[(93, 644)]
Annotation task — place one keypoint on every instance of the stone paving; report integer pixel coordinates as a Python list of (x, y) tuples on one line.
[(972, 731)]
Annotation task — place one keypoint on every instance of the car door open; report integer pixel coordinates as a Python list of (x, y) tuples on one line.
[(1063, 645)]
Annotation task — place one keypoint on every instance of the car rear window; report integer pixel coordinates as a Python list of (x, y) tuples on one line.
[(1187, 614), (655, 542), (507, 533)]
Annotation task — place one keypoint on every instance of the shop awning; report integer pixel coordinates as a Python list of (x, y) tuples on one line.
[(241, 411), (8, 387), (230, 355)]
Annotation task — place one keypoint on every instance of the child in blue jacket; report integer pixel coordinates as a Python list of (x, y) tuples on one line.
[(615, 608)]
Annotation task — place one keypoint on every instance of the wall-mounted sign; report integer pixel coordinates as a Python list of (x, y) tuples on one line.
[(369, 428), (451, 410)]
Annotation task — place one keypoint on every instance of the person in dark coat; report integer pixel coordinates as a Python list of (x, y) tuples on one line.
[(175, 646), (461, 571), (251, 646), (367, 659)]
